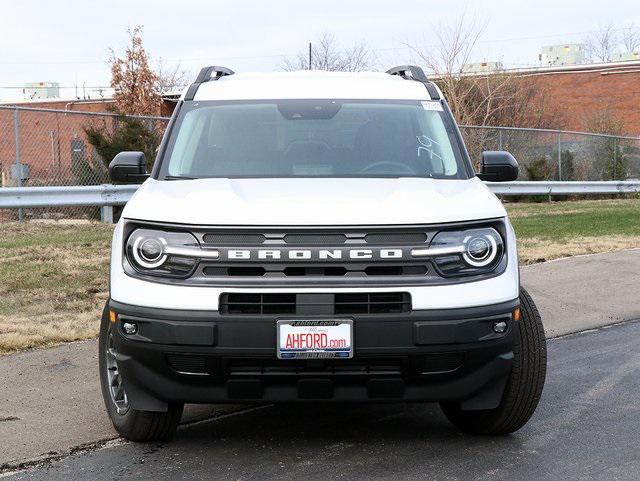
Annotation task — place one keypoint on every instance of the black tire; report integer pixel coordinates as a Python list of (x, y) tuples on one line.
[(130, 423), (524, 388)]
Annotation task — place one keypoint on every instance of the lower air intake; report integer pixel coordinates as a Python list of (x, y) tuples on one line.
[(321, 304)]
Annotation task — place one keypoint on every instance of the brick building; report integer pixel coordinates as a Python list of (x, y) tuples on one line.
[(582, 90)]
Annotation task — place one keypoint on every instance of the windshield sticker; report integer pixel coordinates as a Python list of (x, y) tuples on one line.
[(432, 105)]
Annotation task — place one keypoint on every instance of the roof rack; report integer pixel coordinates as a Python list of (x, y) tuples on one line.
[(206, 75), (413, 72)]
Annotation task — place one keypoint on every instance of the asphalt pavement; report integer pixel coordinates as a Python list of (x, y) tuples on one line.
[(586, 427)]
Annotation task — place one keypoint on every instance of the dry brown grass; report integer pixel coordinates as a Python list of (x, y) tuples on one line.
[(535, 250), (53, 283)]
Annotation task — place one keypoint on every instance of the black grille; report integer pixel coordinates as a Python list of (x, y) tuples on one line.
[(396, 238), (269, 260), (396, 270), (331, 270), (315, 304), (418, 365), (260, 368), (315, 239), (302, 271), (187, 364), (234, 239), (258, 303), (234, 271), (372, 303)]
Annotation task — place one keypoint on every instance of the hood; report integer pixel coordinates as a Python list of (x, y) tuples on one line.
[(313, 201)]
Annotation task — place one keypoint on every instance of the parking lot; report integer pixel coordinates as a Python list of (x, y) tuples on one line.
[(585, 428)]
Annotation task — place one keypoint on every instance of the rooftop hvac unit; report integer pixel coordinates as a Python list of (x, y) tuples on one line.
[(564, 54), (626, 56), (478, 67), (41, 90)]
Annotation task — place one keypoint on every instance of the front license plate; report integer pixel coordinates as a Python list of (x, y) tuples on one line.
[(315, 339)]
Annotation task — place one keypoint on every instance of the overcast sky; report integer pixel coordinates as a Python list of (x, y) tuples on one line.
[(68, 41)]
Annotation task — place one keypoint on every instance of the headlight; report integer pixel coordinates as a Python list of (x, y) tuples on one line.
[(162, 253), (468, 252)]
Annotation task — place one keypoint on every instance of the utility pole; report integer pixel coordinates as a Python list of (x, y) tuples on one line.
[(309, 55)]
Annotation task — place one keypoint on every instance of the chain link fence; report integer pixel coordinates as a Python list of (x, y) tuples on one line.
[(43, 147), (559, 155)]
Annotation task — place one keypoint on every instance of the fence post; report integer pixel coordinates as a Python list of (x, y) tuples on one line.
[(615, 157), (499, 139), (559, 157), (106, 214), (16, 138)]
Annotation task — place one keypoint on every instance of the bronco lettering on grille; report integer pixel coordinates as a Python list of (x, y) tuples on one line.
[(311, 254)]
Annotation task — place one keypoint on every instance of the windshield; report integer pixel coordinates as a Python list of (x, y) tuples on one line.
[(313, 138)]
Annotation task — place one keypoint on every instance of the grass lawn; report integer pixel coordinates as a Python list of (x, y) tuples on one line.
[(54, 275), (559, 229)]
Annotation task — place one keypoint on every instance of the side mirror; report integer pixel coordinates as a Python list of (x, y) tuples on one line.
[(498, 166), (128, 168)]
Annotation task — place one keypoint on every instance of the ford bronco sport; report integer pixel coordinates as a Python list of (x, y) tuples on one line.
[(316, 236)]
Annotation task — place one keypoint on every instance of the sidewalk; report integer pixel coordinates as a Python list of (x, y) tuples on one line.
[(50, 399), (585, 292)]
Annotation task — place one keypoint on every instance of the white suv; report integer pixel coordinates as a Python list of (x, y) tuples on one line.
[(316, 236)]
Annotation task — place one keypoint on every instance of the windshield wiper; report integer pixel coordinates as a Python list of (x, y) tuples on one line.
[(178, 177)]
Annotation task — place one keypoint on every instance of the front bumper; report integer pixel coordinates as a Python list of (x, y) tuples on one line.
[(206, 357)]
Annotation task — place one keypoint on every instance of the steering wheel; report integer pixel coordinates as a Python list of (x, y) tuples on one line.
[(402, 168)]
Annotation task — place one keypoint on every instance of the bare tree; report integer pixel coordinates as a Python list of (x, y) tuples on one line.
[(170, 79), (446, 59), (498, 98), (327, 55), (600, 45), (488, 98), (630, 38)]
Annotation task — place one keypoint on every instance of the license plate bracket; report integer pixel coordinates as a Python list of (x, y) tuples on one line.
[(314, 338)]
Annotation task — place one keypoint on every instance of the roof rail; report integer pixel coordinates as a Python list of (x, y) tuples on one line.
[(206, 75), (416, 73)]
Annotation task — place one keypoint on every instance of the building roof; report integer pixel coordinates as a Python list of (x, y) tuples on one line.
[(609, 67), (308, 84), (55, 100)]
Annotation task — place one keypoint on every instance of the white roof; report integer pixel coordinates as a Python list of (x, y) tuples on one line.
[(312, 84)]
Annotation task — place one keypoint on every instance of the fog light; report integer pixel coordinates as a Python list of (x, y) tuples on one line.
[(129, 327), (499, 327)]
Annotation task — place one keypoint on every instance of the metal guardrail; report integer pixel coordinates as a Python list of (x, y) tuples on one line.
[(106, 196), (564, 188)]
